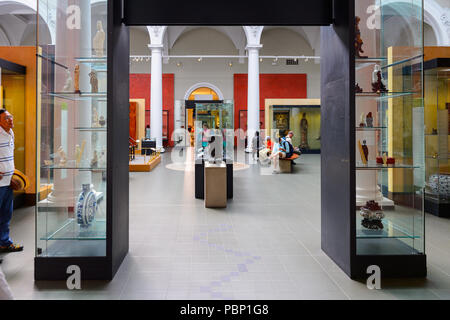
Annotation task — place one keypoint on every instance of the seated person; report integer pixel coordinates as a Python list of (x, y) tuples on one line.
[(278, 152), (269, 144), (295, 150)]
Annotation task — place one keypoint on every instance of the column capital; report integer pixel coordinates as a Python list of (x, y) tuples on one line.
[(253, 34), (156, 34)]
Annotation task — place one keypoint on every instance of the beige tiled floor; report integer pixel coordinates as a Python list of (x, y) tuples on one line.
[(265, 245)]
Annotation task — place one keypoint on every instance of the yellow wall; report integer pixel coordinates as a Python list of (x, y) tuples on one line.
[(26, 56), (14, 102)]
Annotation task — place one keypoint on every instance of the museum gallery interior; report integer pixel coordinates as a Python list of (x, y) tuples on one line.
[(229, 155)]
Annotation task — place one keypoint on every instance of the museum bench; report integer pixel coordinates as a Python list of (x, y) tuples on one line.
[(286, 163)]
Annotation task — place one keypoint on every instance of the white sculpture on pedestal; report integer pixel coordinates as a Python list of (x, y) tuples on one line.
[(98, 42)]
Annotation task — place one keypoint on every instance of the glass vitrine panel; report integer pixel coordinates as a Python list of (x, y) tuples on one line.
[(214, 134), (389, 128), (72, 118)]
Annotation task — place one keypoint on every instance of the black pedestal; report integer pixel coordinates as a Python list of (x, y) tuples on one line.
[(200, 180)]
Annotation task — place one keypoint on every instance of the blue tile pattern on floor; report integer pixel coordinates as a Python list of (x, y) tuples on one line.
[(214, 286)]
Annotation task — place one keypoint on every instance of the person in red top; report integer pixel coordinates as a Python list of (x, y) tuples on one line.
[(269, 144)]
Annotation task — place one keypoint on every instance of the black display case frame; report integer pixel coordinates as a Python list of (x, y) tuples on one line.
[(338, 204)]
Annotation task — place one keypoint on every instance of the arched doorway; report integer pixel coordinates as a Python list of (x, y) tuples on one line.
[(200, 92)]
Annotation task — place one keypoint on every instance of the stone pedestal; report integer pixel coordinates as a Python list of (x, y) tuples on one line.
[(215, 185)]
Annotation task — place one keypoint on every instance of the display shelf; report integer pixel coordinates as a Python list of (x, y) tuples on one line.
[(374, 166), (361, 63), (383, 95), (71, 165), (370, 60), (403, 61), (99, 64), (70, 230), (92, 60), (78, 96), (370, 128), (390, 230), (93, 129)]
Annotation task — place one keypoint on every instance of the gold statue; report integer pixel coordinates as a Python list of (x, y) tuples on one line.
[(77, 78), (304, 132)]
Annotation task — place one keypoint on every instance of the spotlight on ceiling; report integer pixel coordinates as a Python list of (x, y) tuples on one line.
[(230, 64), (307, 59), (178, 64), (260, 59), (200, 59)]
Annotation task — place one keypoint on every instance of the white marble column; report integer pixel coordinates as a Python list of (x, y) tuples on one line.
[(156, 103), (156, 96), (253, 34), (253, 94)]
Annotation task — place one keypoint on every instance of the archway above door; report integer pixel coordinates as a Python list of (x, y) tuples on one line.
[(200, 85)]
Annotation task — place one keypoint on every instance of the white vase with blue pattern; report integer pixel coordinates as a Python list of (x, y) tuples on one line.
[(86, 206)]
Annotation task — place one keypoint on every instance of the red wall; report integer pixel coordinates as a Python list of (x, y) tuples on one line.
[(271, 86), (140, 89)]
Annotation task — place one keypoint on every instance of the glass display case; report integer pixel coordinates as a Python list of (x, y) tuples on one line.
[(81, 90), (214, 134), (214, 141), (389, 129), (437, 134)]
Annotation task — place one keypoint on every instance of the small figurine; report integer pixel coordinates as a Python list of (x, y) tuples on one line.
[(102, 121), (94, 161), (384, 158), (79, 152), (358, 89), (365, 150), (377, 80), (369, 120), (68, 85), (99, 40), (62, 156), (362, 123), (77, 79), (434, 131), (95, 121), (358, 41), (372, 215), (93, 81)]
